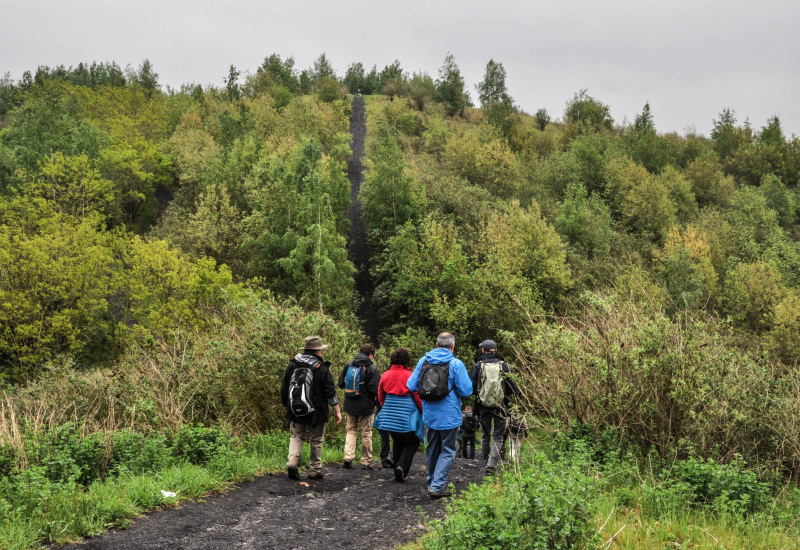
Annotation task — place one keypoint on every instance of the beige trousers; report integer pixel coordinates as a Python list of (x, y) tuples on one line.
[(354, 425), (298, 433)]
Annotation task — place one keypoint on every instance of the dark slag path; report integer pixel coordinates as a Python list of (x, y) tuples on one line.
[(355, 509), (357, 247)]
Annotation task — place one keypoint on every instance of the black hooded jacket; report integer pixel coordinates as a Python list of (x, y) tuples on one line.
[(364, 404), (510, 388), (324, 392)]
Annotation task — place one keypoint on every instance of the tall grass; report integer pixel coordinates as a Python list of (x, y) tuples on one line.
[(664, 382)]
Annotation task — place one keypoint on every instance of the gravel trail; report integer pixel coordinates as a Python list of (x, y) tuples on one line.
[(355, 508)]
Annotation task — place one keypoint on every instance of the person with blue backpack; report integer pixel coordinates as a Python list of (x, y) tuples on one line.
[(359, 379), (442, 382)]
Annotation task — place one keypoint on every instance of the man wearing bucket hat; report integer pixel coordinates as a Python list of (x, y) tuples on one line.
[(307, 392)]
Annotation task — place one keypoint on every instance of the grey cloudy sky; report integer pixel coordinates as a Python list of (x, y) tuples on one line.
[(689, 59)]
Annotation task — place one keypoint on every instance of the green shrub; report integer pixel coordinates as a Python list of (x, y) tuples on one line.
[(548, 505), (67, 455), (198, 444), (133, 452), (6, 460), (711, 483)]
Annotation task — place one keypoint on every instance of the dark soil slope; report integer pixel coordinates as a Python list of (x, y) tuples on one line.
[(348, 509)]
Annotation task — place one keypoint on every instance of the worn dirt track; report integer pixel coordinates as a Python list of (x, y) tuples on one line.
[(355, 508), (357, 246)]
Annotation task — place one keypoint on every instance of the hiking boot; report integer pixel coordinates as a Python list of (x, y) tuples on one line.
[(489, 470), (316, 476), (366, 466), (292, 472), (436, 495), (348, 464), (399, 476), (386, 463)]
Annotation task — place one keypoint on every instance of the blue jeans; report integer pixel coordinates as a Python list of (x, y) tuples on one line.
[(440, 453)]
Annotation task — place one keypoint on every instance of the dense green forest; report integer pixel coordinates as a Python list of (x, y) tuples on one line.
[(162, 253)]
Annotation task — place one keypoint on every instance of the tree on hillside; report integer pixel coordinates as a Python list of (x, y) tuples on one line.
[(73, 186), (647, 147), (354, 78), (497, 104), (542, 118), (492, 89), (281, 72), (728, 138), (390, 196), (145, 77), (450, 86), (48, 124), (421, 89), (322, 69), (586, 114), (232, 84), (392, 72)]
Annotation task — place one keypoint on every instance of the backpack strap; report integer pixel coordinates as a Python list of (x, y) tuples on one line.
[(448, 379)]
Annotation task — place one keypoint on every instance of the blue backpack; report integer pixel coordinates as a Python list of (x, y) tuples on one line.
[(354, 380)]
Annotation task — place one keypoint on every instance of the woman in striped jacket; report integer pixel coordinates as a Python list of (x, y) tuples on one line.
[(401, 413)]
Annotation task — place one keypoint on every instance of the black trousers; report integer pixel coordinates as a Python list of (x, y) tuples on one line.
[(385, 444), (493, 433), (404, 447), (468, 441)]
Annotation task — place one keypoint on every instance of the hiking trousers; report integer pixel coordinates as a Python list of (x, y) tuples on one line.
[(493, 431), (356, 424), (468, 442), (298, 433), (386, 444), (404, 447)]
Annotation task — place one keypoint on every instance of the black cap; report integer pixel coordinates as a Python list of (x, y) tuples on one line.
[(488, 344)]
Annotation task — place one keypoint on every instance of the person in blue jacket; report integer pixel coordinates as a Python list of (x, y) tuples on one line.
[(443, 417)]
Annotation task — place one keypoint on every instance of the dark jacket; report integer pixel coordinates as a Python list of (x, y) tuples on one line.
[(322, 388), (510, 388), (364, 404), (469, 424)]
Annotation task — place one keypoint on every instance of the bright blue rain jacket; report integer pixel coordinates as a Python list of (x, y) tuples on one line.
[(444, 414)]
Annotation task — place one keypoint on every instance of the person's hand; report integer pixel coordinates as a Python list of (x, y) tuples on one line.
[(338, 416)]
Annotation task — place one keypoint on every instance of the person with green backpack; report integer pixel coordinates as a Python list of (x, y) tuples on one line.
[(493, 387)]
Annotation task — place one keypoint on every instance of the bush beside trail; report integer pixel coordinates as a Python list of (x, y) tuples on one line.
[(78, 486), (587, 491), (673, 384)]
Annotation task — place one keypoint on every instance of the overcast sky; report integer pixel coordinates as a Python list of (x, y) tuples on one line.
[(689, 59)]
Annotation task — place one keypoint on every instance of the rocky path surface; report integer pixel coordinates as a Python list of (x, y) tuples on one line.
[(357, 247), (348, 509)]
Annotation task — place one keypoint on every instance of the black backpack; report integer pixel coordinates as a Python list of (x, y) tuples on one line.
[(301, 396), (469, 425), (433, 381)]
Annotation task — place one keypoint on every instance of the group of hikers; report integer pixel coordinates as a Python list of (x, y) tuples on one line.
[(415, 404)]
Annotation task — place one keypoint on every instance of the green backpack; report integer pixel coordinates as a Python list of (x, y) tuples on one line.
[(491, 393)]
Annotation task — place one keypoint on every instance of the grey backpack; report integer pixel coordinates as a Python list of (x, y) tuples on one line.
[(491, 393)]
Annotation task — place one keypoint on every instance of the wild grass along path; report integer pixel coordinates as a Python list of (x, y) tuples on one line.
[(357, 509)]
